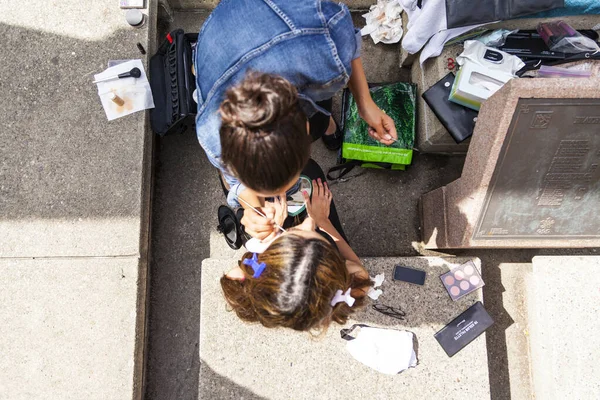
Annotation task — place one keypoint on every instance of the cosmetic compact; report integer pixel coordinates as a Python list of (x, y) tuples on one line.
[(462, 280)]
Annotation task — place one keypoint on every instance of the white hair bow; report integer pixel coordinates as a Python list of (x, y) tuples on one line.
[(343, 297)]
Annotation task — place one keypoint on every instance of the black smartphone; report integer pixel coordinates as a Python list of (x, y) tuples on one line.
[(409, 275)]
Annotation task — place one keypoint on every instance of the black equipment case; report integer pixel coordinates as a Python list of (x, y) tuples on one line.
[(173, 83)]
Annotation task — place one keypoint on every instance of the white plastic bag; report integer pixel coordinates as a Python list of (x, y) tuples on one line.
[(388, 351)]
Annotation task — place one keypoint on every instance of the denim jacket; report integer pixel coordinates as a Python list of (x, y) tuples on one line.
[(311, 43)]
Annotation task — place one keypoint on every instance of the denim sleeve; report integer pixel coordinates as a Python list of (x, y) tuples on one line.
[(344, 34), (235, 188), (358, 38)]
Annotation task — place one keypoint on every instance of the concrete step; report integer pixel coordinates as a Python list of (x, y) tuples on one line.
[(245, 360), (71, 328), (563, 308), (509, 342), (210, 4)]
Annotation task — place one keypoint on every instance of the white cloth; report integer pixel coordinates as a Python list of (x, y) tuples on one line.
[(435, 45), (427, 28), (255, 245), (373, 292), (411, 10), (423, 23), (135, 92), (388, 351)]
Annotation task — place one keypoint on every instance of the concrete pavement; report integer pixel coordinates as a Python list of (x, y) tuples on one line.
[(74, 203)]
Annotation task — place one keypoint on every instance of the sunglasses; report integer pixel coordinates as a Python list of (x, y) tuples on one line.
[(389, 311)]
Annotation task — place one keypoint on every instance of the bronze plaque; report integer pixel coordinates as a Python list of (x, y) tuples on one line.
[(547, 182)]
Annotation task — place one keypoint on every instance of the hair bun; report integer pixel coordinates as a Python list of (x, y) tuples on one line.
[(259, 101)]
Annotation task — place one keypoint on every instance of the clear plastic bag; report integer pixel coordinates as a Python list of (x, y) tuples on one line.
[(496, 38), (561, 37), (558, 72)]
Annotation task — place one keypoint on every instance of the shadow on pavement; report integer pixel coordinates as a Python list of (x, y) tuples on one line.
[(496, 338), (215, 383), (185, 199)]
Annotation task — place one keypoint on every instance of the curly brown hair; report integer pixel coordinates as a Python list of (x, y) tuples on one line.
[(264, 139), (296, 287)]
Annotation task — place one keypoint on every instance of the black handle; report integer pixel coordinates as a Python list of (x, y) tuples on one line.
[(134, 73)]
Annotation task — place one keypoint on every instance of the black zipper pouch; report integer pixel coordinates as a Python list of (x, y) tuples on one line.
[(470, 12), (458, 120)]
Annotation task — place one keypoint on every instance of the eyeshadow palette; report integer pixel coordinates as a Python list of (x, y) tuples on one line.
[(462, 280)]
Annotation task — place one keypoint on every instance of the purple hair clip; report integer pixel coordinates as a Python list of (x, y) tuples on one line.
[(256, 266)]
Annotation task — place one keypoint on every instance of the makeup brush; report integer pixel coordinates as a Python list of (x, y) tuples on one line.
[(260, 213), (132, 73)]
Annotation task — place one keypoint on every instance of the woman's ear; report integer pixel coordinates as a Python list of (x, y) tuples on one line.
[(308, 127), (236, 274)]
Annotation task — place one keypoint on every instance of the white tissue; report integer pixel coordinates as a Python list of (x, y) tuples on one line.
[(375, 293), (378, 280), (384, 22), (135, 92)]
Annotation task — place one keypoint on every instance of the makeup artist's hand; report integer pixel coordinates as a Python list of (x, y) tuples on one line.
[(256, 225), (318, 207), (381, 125), (281, 213)]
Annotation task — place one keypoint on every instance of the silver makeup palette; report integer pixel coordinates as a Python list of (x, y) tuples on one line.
[(462, 280)]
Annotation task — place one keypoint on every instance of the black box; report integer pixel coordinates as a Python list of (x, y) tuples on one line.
[(464, 329)]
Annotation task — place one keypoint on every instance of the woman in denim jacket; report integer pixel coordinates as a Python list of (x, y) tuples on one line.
[(247, 131)]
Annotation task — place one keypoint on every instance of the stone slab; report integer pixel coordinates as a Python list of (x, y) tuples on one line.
[(563, 309), (512, 327), (406, 58), (210, 4), (70, 328), (193, 4), (432, 137), (537, 198), (239, 359), (71, 182), (450, 214)]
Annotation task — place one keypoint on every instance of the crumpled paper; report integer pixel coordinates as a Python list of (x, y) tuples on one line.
[(135, 92), (375, 293), (384, 22)]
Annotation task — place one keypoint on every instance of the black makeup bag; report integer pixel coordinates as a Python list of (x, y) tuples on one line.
[(469, 12), (173, 83)]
